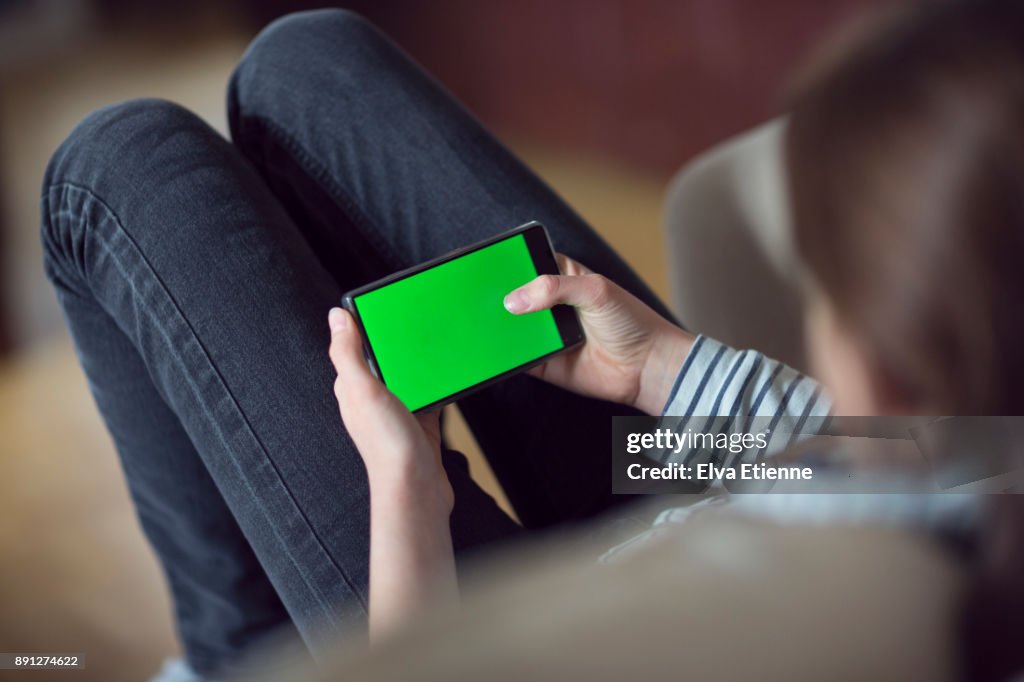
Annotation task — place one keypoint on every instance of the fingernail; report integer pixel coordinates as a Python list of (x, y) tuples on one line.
[(517, 302), (337, 319)]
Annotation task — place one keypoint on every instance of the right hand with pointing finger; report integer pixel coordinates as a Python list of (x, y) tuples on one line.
[(632, 354)]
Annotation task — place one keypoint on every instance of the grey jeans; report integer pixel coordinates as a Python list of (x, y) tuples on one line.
[(195, 274)]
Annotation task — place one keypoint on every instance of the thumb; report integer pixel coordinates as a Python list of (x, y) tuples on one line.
[(346, 349), (589, 292)]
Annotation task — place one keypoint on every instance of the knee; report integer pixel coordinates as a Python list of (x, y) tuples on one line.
[(292, 30), (299, 56), (104, 160), (116, 139)]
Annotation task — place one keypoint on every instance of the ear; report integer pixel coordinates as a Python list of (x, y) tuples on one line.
[(853, 377), (889, 392)]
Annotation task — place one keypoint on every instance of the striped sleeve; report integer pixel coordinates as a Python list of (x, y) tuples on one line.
[(724, 390)]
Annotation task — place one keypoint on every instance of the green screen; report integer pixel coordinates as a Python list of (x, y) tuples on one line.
[(445, 329)]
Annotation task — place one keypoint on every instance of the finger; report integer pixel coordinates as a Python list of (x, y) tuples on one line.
[(538, 370), (588, 292), (430, 422), (568, 266), (346, 349)]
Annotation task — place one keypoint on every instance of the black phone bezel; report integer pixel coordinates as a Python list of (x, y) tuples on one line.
[(538, 244)]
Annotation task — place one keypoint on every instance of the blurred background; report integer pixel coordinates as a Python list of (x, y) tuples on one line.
[(606, 99)]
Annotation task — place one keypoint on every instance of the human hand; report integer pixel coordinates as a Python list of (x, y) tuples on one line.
[(398, 448), (412, 561), (632, 354)]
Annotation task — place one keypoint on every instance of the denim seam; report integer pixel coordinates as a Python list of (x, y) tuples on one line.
[(318, 171), (112, 216)]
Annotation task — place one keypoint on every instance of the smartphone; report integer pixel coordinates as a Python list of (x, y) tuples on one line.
[(439, 331)]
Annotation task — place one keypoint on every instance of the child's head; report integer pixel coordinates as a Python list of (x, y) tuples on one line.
[(905, 153)]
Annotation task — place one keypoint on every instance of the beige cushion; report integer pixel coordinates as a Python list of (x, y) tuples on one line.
[(719, 599), (733, 272)]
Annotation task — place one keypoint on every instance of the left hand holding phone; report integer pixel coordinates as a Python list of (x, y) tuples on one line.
[(411, 499)]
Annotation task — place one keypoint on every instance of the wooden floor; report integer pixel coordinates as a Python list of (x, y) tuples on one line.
[(75, 572)]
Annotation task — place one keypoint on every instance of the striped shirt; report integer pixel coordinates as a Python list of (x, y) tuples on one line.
[(724, 390), (720, 389)]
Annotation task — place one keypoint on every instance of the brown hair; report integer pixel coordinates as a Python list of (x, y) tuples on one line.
[(906, 161), (905, 154)]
